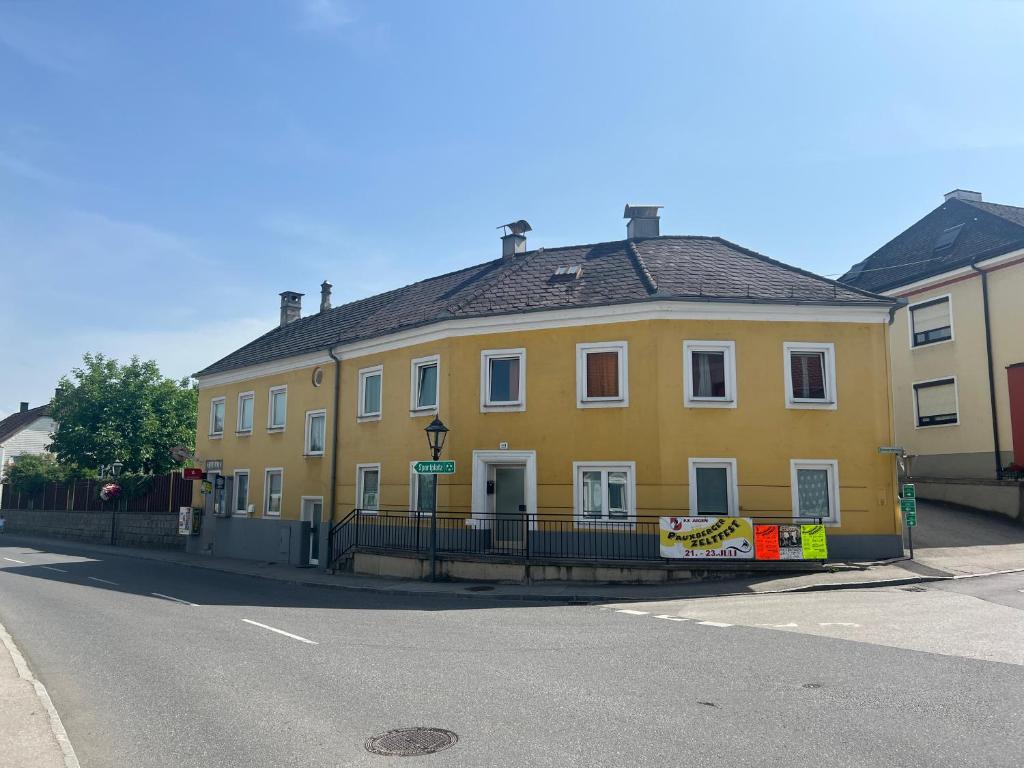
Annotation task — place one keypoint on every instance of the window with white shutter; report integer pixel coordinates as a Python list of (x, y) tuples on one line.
[(931, 322), (935, 403)]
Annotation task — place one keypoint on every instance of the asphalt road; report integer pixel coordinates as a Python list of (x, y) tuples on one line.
[(142, 680)]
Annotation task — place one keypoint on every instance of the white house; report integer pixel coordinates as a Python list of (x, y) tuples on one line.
[(29, 430)]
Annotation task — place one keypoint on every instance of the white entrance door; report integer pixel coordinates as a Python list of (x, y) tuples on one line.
[(313, 510)]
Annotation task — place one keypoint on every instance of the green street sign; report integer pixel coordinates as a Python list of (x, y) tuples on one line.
[(908, 491), (911, 519), (434, 467), (908, 506)]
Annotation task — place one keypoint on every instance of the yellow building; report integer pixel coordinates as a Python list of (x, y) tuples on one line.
[(586, 388), (957, 348)]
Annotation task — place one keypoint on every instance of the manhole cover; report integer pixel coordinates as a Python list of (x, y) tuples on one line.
[(408, 742), (811, 685)]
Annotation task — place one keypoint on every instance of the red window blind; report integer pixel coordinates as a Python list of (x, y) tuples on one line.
[(808, 375), (602, 374)]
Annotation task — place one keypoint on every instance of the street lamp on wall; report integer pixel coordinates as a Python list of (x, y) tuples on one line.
[(436, 434)]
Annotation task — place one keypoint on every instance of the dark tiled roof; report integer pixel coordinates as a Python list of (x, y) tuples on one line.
[(18, 421), (987, 230), (619, 272)]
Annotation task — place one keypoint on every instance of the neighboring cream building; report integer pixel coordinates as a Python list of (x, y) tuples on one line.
[(958, 347)]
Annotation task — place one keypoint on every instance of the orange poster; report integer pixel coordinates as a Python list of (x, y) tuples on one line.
[(766, 542)]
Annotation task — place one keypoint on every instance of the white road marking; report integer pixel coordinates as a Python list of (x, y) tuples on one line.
[(632, 613), (102, 581), (714, 624), (281, 632), (837, 624), (175, 599), (779, 626), (670, 618), (11, 559), (51, 568)]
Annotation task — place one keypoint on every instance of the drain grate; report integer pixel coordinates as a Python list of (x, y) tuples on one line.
[(480, 588), (812, 686), (913, 589), (409, 742)]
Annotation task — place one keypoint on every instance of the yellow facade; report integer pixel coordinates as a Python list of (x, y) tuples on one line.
[(656, 430), (266, 448), (966, 448)]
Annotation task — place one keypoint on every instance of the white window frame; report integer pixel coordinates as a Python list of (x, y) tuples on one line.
[(956, 396), (486, 404), (582, 350), (832, 465), (251, 395), (414, 382), (414, 490), (271, 427), (360, 469), (729, 350), (732, 483), (214, 402), (235, 512), (910, 321), (266, 491), (831, 401), (306, 450), (578, 468), (364, 374)]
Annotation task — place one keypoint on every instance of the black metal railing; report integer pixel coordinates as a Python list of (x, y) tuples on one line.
[(537, 536)]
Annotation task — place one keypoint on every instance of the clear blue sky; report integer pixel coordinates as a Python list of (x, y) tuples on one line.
[(167, 168)]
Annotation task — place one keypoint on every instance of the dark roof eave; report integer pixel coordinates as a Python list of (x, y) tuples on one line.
[(880, 302)]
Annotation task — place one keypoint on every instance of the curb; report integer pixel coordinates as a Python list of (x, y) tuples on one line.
[(584, 599), (25, 673)]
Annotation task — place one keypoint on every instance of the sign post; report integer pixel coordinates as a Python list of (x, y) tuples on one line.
[(908, 506), (433, 468)]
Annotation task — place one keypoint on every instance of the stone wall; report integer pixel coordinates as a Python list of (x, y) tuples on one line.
[(133, 529)]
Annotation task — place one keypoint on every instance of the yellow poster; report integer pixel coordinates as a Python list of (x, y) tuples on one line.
[(813, 541), (707, 538)]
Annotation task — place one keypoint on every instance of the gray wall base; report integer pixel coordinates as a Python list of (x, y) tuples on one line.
[(277, 541)]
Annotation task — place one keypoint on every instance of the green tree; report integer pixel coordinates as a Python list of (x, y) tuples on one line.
[(107, 412), (30, 472)]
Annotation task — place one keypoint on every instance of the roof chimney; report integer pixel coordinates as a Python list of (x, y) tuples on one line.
[(513, 241), (325, 296), (964, 194), (24, 407), (291, 307), (643, 220)]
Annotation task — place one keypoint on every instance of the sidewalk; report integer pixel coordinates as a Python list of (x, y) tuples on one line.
[(949, 543), (844, 577), (31, 734)]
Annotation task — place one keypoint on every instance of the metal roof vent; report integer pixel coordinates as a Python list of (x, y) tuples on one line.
[(513, 240), (644, 220), (964, 194)]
